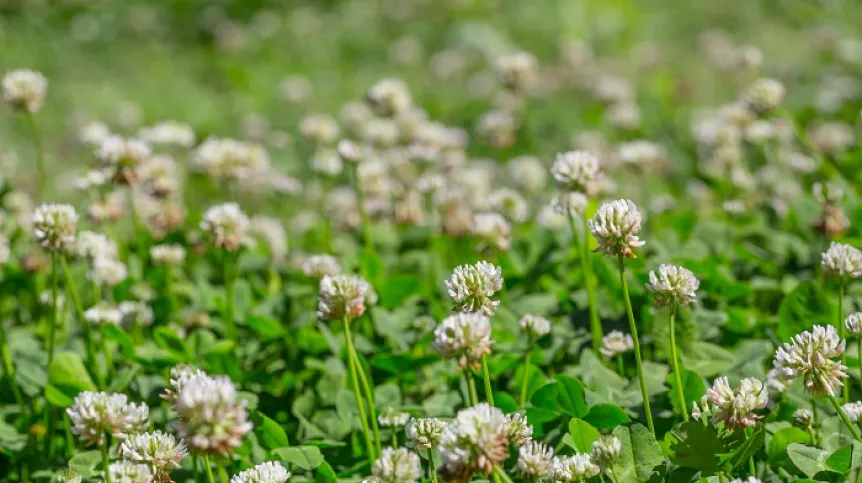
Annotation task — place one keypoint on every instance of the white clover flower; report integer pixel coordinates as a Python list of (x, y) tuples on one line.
[(498, 127), (735, 407), (103, 313), (493, 229), (93, 245), (534, 460), (121, 158), (747, 479), (764, 95), (641, 154), (518, 72), (527, 173), (371, 479), (269, 472), (616, 342), (159, 177), (853, 410), (842, 260), (24, 89), (519, 429), (96, 414), (853, 323), (472, 286), (68, 475), (578, 171), (170, 254), (327, 161), (319, 128), (343, 296), (476, 440), (271, 232), (534, 326), (397, 466), (809, 356), (391, 418), (606, 451), (211, 419), (510, 204), (227, 225), (180, 376), (424, 434), (570, 203), (673, 284), (616, 226), (578, 467), (465, 336), (108, 271), (803, 418), (160, 451), (318, 266), (829, 192), (389, 97), (128, 472), (136, 313), (229, 159), (55, 226), (169, 133)]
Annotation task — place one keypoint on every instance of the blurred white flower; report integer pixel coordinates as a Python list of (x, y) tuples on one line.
[(853, 323), (534, 326), (227, 225), (493, 230), (465, 336), (803, 418), (391, 418), (170, 254), (578, 171), (571, 203), (518, 72), (169, 133), (55, 226), (389, 97), (103, 313), (318, 266), (24, 89), (853, 410), (397, 466), (128, 472), (121, 158), (107, 271), (764, 95), (616, 342), (229, 159)]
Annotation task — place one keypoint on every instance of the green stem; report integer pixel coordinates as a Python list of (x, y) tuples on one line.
[(106, 461), (395, 438), (9, 368), (471, 387), (222, 473), (354, 378), (586, 268), (369, 395), (751, 468), (841, 333), (815, 418), (489, 394), (109, 356), (721, 477), (500, 474), (431, 468), (229, 318), (72, 290), (209, 469), (360, 201), (40, 154), (524, 378), (674, 362), (852, 427), (54, 310), (195, 470), (621, 367), (637, 348), (859, 356)]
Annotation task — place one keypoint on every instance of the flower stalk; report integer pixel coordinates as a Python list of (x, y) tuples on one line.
[(354, 378), (674, 361), (637, 349)]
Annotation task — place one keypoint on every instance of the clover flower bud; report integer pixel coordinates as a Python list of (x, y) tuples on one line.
[(853, 410), (606, 451), (673, 284), (615, 227), (55, 226), (465, 336), (160, 451), (520, 431), (842, 260), (534, 460), (764, 95), (319, 266), (534, 326), (616, 342), (803, 418), (343, 296), (24, 89), (95, 414), (472, 286), (578, 171), (391, 418), (128, 472), (424, 434), (397, 466), (227, 225), (809, 356), (269, 472)]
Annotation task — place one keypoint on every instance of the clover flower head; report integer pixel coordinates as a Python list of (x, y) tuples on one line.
[(169, 133), (842, 260), (170, 255), (424, 434), (736, 407), (534, 459), (673, 283), (578, 171), (343, 296), (803, 418), (397, 466), (606, 450), (180, 375), (764, 95), (616, 342), (853, 323), (519, 429), (534, 326), (829, 192), (161, 451), (319, 266), (95, 414), (809, 356), (853, 410), (493, 229), (55, 226), (128, 472), (389, 97), (227, 225), (518, 72), (465, 336), (472, 286), (211, 418), (476, 440), (319, 128), (136, 312), (391, 418), (527, 173), (570, 203), (91, 245), (616, 227), (748, 479), (121, 158), (577, 467), (24, 89), (229, 159), (269, 472), (108, 271), (103, 313)]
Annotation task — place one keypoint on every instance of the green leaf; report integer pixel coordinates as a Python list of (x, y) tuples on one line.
[(809, 459), (305, 457), (776, 451), (571, 396), (325, 474), (641, 454), (396, 288), (505, 402), (583, 435), (121, 381), (270, 434), (68, 376), (372, 266), (751, 444), (169, 340), (692, 387), (266, 327), (606, 416), (695, 445), (802, 309), (86, 462), (11, 441), (841, 459), (546, 397)]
